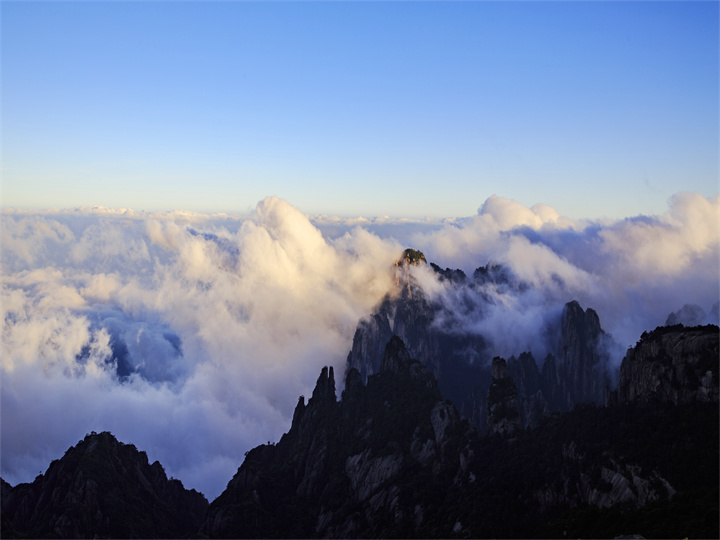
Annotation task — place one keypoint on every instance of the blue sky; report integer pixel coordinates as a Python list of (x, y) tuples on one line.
[(599, 109)]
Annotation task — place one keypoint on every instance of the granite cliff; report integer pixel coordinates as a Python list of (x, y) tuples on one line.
[(672, 363), (352, 468)]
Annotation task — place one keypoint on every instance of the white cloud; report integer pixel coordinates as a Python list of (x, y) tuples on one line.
[(224, 327)]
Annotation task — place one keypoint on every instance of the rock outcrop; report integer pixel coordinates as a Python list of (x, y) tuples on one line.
[(454, 359), (672, 363), (348, 468), (583, 363), (102, 488), (503, 405), (531, 390)]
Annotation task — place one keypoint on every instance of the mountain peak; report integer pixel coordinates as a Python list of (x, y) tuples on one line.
[(411, 257), (103, 487), (672, 363), (325, 386), (499, 368)]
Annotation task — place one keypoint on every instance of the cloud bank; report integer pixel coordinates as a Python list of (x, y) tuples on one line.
[(633, 272), (191, 340), (192, 335)]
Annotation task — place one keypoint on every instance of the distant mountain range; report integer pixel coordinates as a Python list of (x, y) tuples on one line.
[(434, 436)]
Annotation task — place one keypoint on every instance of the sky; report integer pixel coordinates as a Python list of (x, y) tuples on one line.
[(414, 109)]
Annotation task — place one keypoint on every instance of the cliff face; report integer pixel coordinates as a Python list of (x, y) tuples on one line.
[(455, 360), (532, 390), (580, 356), (672, 363), (503, 404), (102, 487), (351, 467)]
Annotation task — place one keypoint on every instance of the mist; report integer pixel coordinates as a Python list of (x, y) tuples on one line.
[(191, 336)]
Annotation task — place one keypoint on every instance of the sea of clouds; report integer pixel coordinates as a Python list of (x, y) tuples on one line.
[(192, 335)]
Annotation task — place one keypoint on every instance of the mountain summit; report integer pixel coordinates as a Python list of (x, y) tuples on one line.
[(575, 370), (101, 488)]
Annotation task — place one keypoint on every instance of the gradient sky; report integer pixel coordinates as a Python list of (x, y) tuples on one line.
[(599, 109)]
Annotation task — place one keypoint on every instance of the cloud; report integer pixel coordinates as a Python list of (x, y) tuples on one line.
[(634, 272), (191, 339), (506, 214), (192, 335)]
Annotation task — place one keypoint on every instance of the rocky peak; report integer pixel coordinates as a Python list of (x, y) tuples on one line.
[(396, 356), (325, 387), (449, 274), (353, 383), (672, 363), (411, 257), (348, 469), (102, 487), (582, 358), (578, 327), (299, 410), (533, 402), (499, 369), (403, 278), (492, 273)]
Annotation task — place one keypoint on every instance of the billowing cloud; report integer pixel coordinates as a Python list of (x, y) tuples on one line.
[(192, 339), (192, 335), (634, 272)]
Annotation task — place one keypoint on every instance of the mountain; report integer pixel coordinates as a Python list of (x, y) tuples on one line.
[(101, 488), (694, 315), (454, 359), (575, 371), (434, 438), (392, 459), (375, 464), (672, 363)]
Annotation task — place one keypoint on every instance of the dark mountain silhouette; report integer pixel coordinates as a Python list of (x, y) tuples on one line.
[(391, 459), (101, 488), (576, 371), (372, 464)]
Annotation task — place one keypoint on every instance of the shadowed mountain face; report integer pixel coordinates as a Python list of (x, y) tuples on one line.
[(101, 488), (353, 467), (576, 370)]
